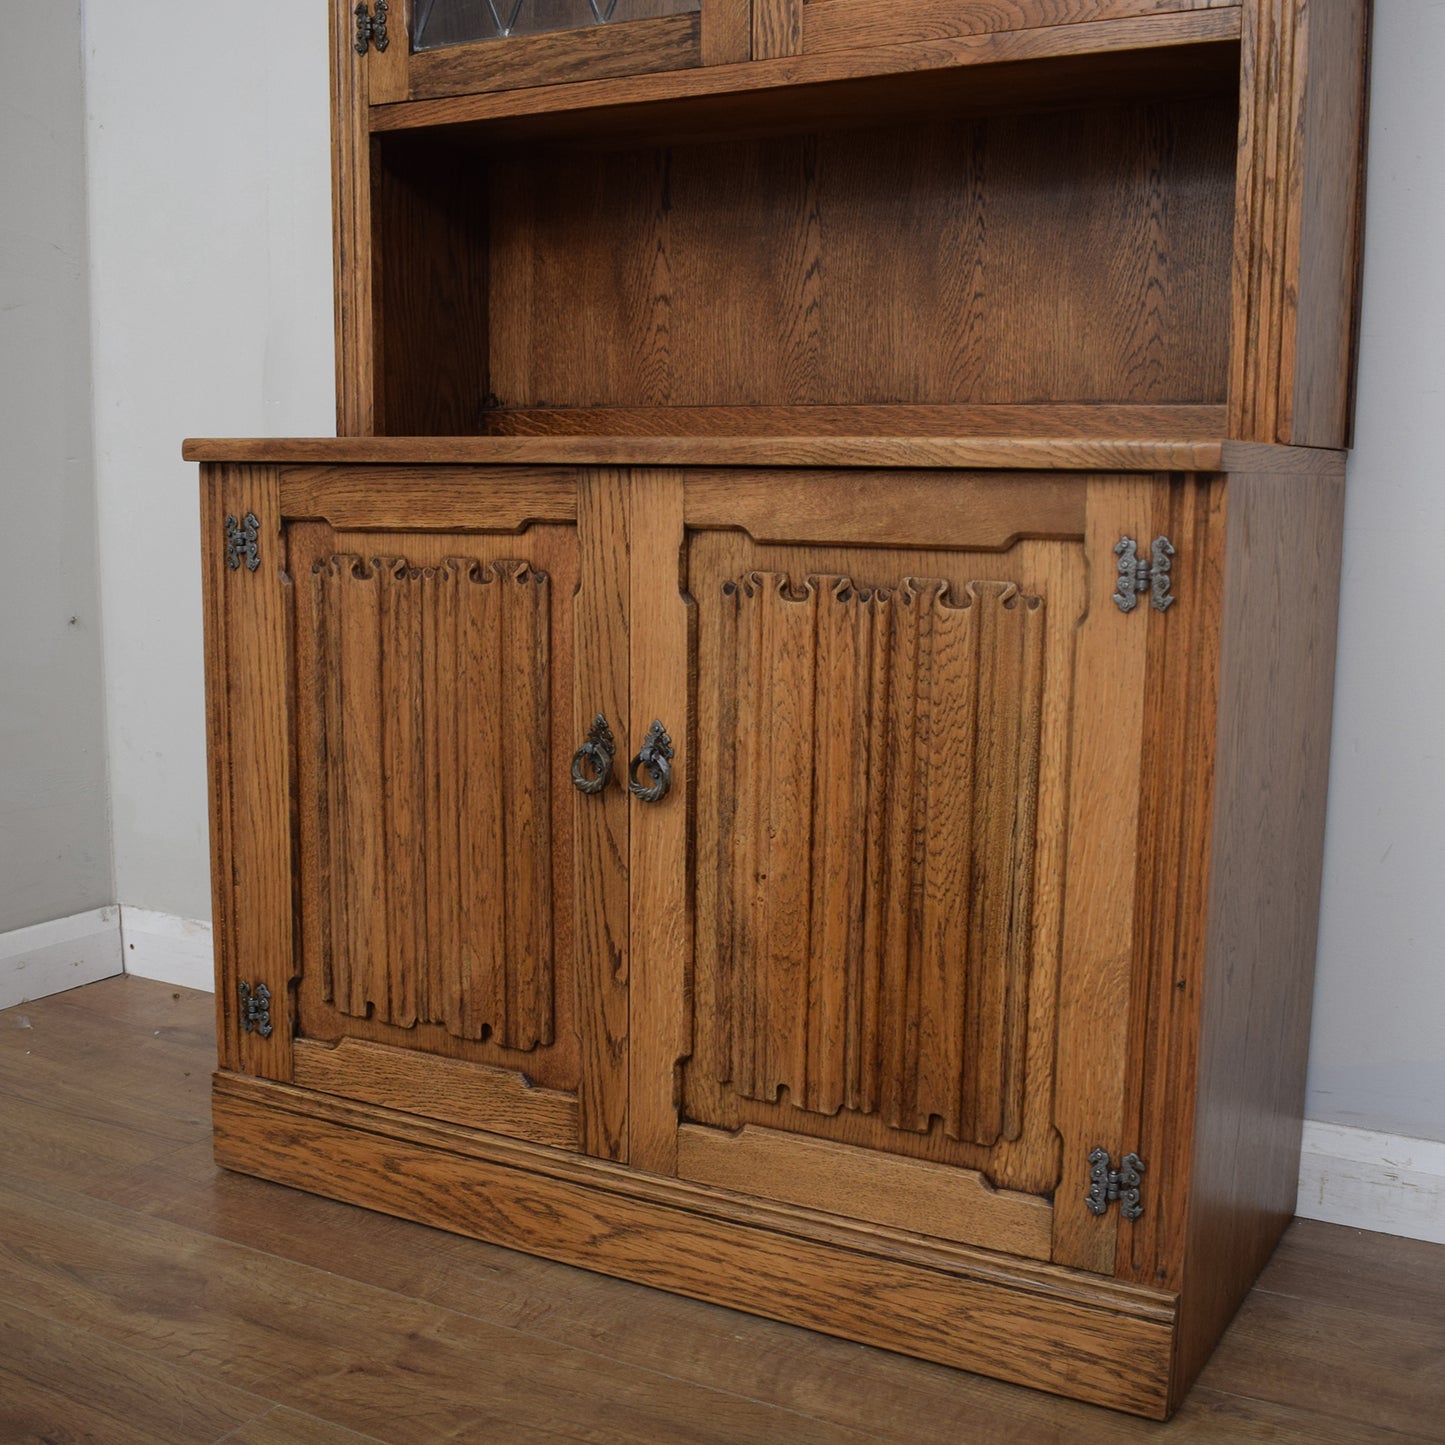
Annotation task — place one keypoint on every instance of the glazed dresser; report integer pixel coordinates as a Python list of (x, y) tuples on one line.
[(781, 751)]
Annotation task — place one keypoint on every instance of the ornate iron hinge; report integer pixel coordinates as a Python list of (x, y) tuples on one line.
[(1137, 577), (1107, 1184), (255, 1009), (371, 30), (241, 542)]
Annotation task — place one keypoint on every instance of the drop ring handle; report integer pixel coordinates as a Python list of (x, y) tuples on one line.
[(592, 762), (654, 758)]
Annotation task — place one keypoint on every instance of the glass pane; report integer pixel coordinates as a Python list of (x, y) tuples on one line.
[(458, 22)]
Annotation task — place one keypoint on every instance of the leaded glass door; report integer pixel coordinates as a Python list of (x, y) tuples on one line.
[(438, 48)]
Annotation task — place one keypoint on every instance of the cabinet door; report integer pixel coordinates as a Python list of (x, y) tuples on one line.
[(907, 721), (818, 27), (399, 687), (455, 47)]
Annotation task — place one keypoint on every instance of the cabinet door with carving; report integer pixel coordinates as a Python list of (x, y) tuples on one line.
[(447, 641), (912, 781)]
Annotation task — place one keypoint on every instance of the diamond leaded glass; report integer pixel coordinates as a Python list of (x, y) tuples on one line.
[(437, 23)]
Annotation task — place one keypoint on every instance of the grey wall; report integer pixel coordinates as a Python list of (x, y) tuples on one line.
[(55, 853), (210, 241), (1378, 1047)]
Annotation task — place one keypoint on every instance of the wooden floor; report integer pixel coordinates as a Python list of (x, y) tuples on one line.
[(147, 1296)]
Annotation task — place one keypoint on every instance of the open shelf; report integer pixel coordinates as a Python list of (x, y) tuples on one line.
[(1052, 272)]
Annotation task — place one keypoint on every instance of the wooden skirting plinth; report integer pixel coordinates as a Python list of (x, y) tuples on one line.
[(1055, 1329)]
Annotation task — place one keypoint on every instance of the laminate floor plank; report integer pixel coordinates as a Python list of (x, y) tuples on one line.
[(1376, 1273), (344, 1325), (290, 1427), (1337, 1361), (111, 1391), (364, 1357)]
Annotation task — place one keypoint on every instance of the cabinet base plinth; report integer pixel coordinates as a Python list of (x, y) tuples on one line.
[(1074, 1334)]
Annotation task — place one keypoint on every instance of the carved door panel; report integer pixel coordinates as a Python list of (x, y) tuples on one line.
[(461, 939), (895, 683)]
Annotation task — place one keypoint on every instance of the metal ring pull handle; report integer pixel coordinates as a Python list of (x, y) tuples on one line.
[(655, 757), (592, 762)]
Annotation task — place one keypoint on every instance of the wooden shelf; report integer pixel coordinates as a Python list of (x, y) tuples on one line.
[(983, 453)]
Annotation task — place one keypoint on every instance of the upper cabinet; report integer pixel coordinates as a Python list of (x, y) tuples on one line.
[(1057, 218), (439, 48)]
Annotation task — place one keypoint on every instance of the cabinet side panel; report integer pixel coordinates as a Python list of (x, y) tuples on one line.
[(1297, 220), (1281, 592), (1327, 254), (429, 259), (351, 228)]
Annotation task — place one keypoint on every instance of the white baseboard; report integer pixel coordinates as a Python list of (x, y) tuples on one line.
[(65, 953), (1383, 1182), (164, 947)]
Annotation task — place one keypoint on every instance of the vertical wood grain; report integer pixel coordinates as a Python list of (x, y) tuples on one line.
[(601, 875), (726, 31), (247, 671), (1281, 592), (382, 739), (661, 922), (777, 28), (879, 754), (1101, 871), (1297, 227), (351, 229), (428, 254), (880, 266), (1181, 709)]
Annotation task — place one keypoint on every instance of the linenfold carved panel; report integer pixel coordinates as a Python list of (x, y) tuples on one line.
[(433, 806), (877, 795)]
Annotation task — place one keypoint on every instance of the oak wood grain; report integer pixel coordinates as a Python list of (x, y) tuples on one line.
[(602, 612), (661, 911), (982, 510), (1280, 600), (1088, 1352), (748, 870), (1105, 39), (443, 499), (478, 921), (863, 267), (351, 229), (1026, 454), (858, 24), (1178, 421), (777, 28), (249, 713), (1298, 229), (1102, 871), (668, 43), (501, 1101), (909, 1194)]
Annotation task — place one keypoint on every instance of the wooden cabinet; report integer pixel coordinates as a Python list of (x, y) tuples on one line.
[(781, 753)]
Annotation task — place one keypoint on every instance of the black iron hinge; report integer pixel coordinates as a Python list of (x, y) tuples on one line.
[(1137, 576), (1107, 1184), (255, 1009), (242, 542), (370, 29)]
